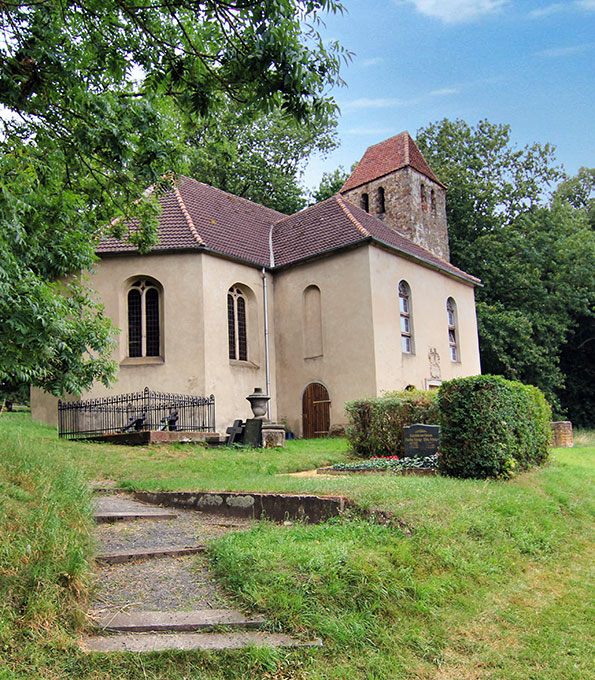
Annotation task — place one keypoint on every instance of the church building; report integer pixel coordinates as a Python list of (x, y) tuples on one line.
[(351, 297)]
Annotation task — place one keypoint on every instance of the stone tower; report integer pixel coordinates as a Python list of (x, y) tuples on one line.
[(394, 182)]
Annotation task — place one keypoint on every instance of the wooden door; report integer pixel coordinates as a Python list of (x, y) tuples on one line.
[(316, 411)]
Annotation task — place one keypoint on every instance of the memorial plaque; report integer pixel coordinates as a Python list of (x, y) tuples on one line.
[(421, 440), (253, 433)]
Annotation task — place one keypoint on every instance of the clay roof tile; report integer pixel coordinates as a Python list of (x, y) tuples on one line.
[(381, 159)]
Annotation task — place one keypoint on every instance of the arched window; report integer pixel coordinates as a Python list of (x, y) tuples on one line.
[(381, 204), (144, 336), (423, 198), (406, 320), (433, 201), (236, 324), (365, 203), (453, 332), (312, 323)]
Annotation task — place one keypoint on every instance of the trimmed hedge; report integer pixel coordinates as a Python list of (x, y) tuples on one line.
[(492, 427), (376, 425)]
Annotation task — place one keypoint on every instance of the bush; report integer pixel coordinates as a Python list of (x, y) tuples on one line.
[(492, 427), (376, 425)]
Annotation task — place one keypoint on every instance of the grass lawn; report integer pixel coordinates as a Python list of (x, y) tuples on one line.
[(473, 579)]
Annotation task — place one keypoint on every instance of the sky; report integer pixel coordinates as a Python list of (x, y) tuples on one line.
[(526, 63)]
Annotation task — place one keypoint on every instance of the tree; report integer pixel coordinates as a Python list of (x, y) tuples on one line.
[(260, 158), (535, 256), (94, 96), (330, 184)]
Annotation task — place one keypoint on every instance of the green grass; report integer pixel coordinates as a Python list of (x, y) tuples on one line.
[(470, 579)]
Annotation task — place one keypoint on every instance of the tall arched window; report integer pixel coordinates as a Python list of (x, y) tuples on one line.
[(236, 324), (423, 198), (365, 203), (433, 201), (144, 336), (453, 332), (381, 204), (406, 319), (312, 323)]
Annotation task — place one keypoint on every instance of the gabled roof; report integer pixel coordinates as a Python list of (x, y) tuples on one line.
[(196, 215), (337, 223), (386, 157)]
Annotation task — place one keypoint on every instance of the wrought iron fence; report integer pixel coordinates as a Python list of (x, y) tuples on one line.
[(137, 411)]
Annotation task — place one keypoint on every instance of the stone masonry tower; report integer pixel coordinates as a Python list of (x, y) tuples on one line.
[(394, 182)]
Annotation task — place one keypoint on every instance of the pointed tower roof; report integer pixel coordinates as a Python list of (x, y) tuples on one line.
[(381, 159)]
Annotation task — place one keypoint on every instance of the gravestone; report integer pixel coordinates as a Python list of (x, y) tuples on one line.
[(421, 440), (253, 432), (235, 432)]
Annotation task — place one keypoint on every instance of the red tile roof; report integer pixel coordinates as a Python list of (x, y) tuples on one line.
[(381, 159), (197, 216), (337, 223)]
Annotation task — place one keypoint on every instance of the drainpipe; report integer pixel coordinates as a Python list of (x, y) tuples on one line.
[(265, 297)]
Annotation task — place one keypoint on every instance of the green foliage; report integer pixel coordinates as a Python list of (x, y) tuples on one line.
[(491, 427), (376, 425), (464, 565), (45, 544), (391, 463), (96, 95), (259, 157), (536, 258), (330, 184)]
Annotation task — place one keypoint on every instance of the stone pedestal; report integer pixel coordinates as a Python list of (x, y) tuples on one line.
[(562, 434), (273, 435)]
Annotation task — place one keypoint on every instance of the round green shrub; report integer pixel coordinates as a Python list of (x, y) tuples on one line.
[(491, 427)]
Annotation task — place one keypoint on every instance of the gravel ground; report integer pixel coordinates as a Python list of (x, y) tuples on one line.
[(164, 583)]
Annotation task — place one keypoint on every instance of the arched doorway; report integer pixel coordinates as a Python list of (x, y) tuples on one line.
[(316, 411)]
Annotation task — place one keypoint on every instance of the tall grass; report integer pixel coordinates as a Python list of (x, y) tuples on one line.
[(45, 529)]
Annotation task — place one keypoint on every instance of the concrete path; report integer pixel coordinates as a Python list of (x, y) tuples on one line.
[(155, 591)]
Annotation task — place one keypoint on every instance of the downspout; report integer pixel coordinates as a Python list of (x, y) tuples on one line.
[(265, 295)]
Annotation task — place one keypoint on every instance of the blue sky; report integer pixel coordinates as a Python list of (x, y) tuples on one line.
[(527, 63)]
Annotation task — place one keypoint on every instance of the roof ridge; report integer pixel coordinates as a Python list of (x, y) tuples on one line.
[(187, 217), (229, 194), (351, 217)]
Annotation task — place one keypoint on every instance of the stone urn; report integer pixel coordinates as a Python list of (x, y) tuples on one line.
[(258, 403)]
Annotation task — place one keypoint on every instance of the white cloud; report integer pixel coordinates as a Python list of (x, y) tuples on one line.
[(554, 8), (443, 92), (366, 103), (372, 62), (457, 11), (565, 51)]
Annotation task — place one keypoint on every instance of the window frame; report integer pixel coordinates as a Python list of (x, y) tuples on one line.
[(365, 202), (453, 330), (237, 324), (406, 318), (145, 330)]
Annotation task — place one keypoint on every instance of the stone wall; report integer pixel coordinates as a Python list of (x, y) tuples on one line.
[(424, 222)]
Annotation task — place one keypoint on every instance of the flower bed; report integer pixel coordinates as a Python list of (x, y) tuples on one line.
[(389, 464)]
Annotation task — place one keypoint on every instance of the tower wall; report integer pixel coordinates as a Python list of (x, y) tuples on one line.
[(423, 221)]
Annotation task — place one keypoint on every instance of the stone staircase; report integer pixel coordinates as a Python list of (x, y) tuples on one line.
[(154, 594)]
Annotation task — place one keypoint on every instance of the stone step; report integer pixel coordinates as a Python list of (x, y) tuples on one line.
[(155, 642), (103, 517), (122, 556), (172, 621)]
